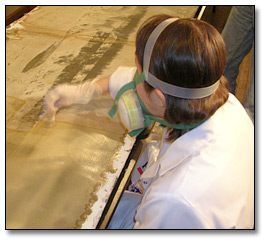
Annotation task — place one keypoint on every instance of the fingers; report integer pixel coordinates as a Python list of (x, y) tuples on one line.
[(66, 95), (52, 99)]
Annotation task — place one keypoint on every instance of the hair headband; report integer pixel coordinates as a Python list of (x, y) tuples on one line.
[(185, 93)]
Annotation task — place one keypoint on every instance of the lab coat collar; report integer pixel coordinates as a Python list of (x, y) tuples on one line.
[(151, 171), (173, 154), (185, 147)]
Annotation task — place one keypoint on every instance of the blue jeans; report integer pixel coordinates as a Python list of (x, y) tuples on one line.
[(123, 217), (238, 35)]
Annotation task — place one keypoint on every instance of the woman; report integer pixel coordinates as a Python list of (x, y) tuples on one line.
[(201, 175)]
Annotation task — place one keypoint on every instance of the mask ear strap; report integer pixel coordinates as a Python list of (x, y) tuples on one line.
[(176, 126), (125, 88), (148, 122), (139, 78), (149, 118)]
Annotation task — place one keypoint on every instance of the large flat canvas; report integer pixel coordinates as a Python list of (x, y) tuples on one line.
[(61, 177)]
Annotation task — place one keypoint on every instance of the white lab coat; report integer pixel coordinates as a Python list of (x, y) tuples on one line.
[(205, 178)]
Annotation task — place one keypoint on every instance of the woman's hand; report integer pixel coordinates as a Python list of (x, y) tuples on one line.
[(66, 95)]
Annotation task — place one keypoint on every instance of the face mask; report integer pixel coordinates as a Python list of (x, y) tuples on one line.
[(133, 114)]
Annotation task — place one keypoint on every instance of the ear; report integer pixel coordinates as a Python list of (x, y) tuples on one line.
[(161, 97), (139, 67)]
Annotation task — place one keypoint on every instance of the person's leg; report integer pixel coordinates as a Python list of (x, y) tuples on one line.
[(249, 99), (123, 217), (238, 35)]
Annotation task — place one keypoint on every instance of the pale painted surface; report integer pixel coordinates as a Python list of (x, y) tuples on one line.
[(56, 177)]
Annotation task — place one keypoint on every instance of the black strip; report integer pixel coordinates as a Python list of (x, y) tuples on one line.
[(198, 12), (132, 155)]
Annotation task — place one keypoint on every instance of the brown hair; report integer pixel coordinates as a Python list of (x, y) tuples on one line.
[(189, 53)]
